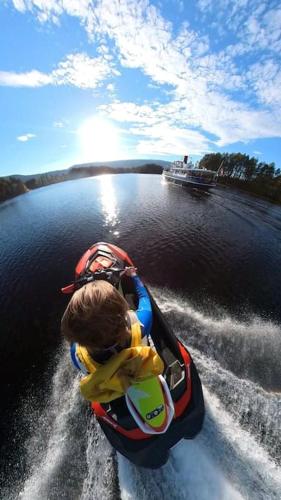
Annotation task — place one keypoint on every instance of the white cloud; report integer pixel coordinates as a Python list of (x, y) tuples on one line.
[(58, 124), (230, 122), (26, 137), (20, 5), (200, 82), (164, 139), (32, 78), (51, 10), (82, 71), (203, 86), (263, 31), (44, 9), (130, 112), (110, 87), (256, 24), (265, 79), (204, 4), (78, 70), (157, 128)]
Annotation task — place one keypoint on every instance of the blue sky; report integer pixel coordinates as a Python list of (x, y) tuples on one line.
[(97, 80)]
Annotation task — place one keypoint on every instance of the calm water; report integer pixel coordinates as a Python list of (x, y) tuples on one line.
[(211, 259)]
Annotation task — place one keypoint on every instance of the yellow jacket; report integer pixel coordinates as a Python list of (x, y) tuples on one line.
[(110, 381)]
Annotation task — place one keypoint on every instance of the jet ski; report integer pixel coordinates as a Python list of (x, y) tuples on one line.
[(154, 414)]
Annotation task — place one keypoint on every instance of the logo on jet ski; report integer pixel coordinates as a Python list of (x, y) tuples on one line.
[(154, 413)]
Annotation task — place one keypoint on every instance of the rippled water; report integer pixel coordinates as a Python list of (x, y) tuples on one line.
[(212, 261)]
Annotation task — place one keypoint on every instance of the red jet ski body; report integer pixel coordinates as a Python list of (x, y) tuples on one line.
[(106, 261)]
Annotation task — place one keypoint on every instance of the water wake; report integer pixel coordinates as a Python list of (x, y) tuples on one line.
[(191, 473), (68, 457), (224, 350), (250, 349), (53, 450), (235, 456), (101, 480), (223, 462)]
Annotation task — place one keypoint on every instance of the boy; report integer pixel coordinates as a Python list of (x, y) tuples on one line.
[(106, 338)]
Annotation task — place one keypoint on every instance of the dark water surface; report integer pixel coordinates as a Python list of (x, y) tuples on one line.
[(214, 256)]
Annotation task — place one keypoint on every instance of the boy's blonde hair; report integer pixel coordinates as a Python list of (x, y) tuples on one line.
[(96, 316)]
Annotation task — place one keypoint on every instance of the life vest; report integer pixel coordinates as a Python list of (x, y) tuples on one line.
[(111, 380)]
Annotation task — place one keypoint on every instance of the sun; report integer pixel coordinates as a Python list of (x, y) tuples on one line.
[(99, 140)]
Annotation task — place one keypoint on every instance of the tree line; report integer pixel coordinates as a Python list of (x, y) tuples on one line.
[(10, 187), (13, 186), (245, 172)]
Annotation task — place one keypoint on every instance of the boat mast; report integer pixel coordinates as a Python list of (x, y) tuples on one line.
[(218, 171)]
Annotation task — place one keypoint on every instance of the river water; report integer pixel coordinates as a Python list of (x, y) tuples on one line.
[(212, 261)]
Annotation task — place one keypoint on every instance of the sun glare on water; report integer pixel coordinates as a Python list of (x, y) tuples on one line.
[(99, 141)]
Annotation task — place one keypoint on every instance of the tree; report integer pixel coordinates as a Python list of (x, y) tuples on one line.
[(211, 161), (265, 170), (250, 168)]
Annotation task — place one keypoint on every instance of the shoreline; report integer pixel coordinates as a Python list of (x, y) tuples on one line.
[(80, 172), (249, 192), (11, 187)]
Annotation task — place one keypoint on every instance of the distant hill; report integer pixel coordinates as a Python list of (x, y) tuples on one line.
[(18, 184), (112, 164)]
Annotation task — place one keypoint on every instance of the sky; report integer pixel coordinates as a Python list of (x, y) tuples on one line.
[(103, 80)]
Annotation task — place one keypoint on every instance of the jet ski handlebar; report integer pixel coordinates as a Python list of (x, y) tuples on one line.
[(112, 275)]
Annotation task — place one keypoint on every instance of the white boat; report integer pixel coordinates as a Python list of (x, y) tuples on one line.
[(186, 173)]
